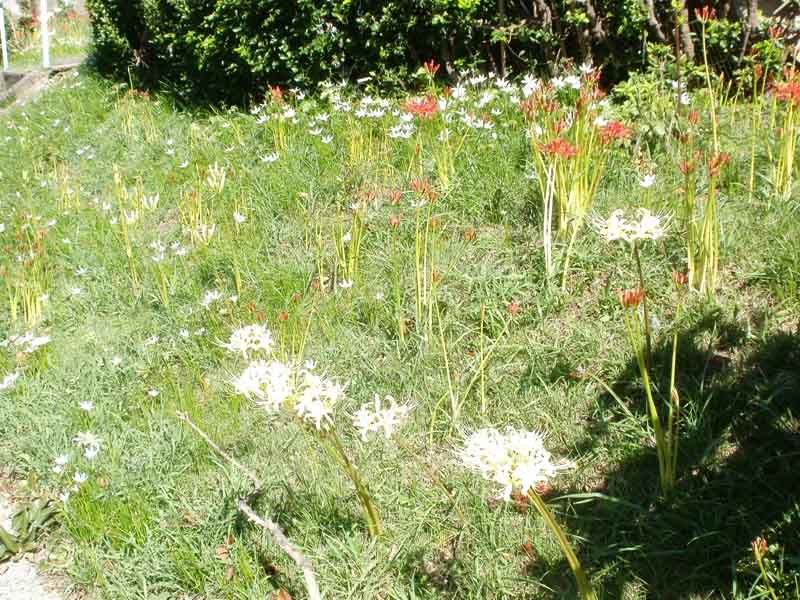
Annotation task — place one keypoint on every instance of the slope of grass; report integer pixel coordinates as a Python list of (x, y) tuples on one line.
[(157, 515)]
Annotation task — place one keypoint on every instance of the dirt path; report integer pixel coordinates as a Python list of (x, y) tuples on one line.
[(19, 579)]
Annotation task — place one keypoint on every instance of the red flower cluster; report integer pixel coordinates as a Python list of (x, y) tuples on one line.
[(776, 32), (717, 162), (528, 108), (424, 108), (536, 103), (705, 13), (788, 92), (277, 93), (560, 147), (432, 67), (424, 188), (631, 298), (614, 131)]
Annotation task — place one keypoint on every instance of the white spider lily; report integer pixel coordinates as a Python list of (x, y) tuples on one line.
[(617, 227), (513, 459), (372, 417), (250, 338), (8, 381)]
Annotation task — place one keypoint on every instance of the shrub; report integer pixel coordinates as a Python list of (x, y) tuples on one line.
[(230, 50)]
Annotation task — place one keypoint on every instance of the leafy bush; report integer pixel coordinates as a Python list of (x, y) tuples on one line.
[(232, 49)]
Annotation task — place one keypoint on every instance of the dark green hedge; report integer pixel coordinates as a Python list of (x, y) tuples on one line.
[(230, 50)]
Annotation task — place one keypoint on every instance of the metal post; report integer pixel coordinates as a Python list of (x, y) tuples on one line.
[(3, 41), (43, 18)]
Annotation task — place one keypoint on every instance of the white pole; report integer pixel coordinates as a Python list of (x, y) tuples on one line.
[(45, 33), (3, 41)]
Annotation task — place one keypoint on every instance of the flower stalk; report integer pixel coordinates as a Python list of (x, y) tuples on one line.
[(585, 588), (334, 445)]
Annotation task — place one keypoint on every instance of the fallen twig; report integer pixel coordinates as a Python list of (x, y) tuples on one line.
[(266, 524)]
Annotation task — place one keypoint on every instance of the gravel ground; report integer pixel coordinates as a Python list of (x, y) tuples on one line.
[(19, 579)]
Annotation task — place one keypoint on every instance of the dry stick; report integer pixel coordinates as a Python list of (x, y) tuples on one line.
[(282, 541), (267, 524), (250, 475)]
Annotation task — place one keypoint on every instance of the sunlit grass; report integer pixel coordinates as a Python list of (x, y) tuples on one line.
[(155, 233)]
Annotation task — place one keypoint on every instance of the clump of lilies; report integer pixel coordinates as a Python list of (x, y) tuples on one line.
[(571, 147), (700, 217), (788, 94), (297, 391), (646, 226)]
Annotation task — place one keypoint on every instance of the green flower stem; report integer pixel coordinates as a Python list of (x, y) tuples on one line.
[(648, 345), (674, 412), (635, 332), (373, 520), (760, 562), (584, 586), (712, 98), (568, 254)]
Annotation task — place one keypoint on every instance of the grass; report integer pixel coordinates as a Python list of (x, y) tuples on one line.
[(157, 517)]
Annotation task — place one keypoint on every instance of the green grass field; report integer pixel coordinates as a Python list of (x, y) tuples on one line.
[(411, 267)]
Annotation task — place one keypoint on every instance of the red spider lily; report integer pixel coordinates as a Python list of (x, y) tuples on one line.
[(717, 162), (680, 279), (538, 102), (559, 147), (686, 167), (424, 188), (277, 93), (395, 196), (424, 108), (614, 131), (432, 67), (776, 32), (705, 14), (528, 108), (559, 127), (788, 92), (760, 546), (631, 298), (550, 106)]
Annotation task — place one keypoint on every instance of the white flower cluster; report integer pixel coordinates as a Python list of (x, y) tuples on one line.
[(8, 381), (402, 130), (27, 343), (514, 459), (78, 478), (270, 383), (89, 442), (316, 397), (276, 386), (250, 338), (372, 417), (647, 226)]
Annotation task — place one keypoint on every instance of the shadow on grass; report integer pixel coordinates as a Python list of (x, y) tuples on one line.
[(740, 444)]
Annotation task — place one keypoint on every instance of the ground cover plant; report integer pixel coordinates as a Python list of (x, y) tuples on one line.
[(425, 337)]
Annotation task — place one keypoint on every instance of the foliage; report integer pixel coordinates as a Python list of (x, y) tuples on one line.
[(26, 525), (232, 49)]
